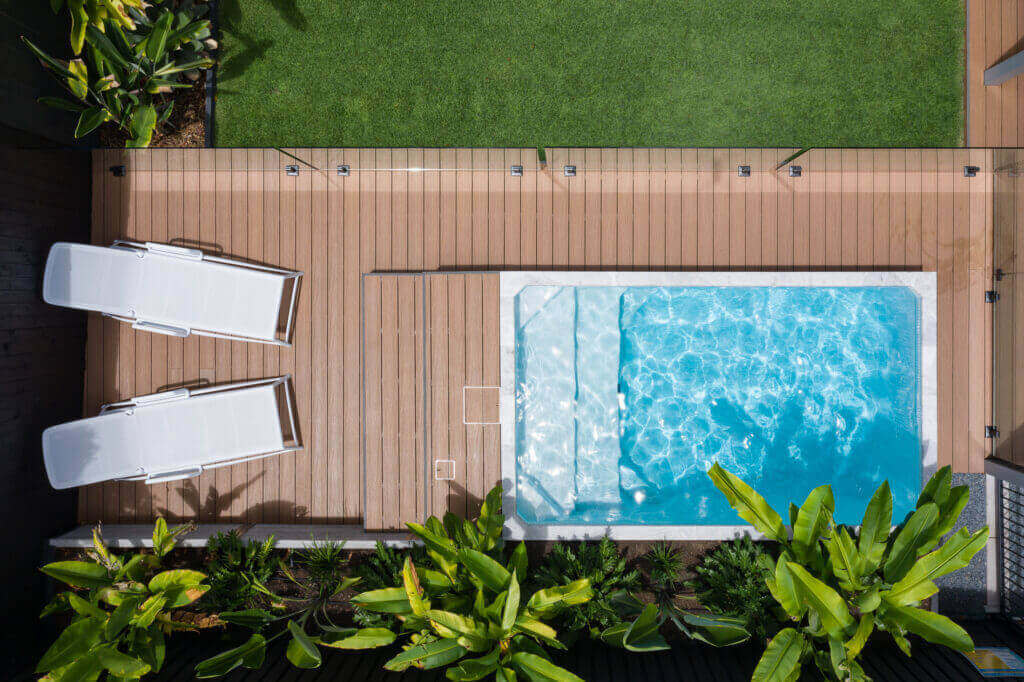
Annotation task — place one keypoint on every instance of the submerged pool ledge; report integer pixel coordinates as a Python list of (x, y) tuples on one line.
[(511, 283)]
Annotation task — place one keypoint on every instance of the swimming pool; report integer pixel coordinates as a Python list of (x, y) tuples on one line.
[(620, 390)]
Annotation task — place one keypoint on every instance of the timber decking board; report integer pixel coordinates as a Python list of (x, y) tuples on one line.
[(995, 29), (625, 209)]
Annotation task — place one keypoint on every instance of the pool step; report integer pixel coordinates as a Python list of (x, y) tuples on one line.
[(597, 400)]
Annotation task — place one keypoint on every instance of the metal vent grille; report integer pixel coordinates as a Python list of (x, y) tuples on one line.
[(1011, 550)]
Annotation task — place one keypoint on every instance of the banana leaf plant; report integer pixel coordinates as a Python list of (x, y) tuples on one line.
[(120, 610), (307, 624), (467, 610), (126, 76), (85, 13), (836, 586)]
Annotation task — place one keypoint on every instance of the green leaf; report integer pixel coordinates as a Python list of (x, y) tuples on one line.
[(488, 571), (554, 599), (302, 652), (949, 513), (249, 655), (913, 535), (387, 600), (101, 42), (426, 656), (149, 646), (539, 669), (147, 613), (937, 488), (503, 674), (158, 37), (413, 590), (122, 665), (957, 553), (784, 591), (78, 573), (615, 635), (823, 600), (845, 560), (74, 641), (366, 638), (510, 609), (78, 84), (491, 521), (475, 668), (875, 528), (59, 604), (142, 125), (537, 629), (751, 507), (780, 661), (166, 580), (717, 631), (812, 519), (254, 619), (518, 562), (58, 67), (88, 121), (434, 542), (643, 633), (86, 668), (868, 600), (61, 103), (172, 68), (855, 644), (471, 634), (121, 616), (85, 608), (933, 627)]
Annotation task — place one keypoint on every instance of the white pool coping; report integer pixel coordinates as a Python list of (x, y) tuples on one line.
[(922, 283)]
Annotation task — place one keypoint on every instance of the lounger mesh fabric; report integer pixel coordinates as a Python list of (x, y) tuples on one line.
[(170, 290), (164, 436)]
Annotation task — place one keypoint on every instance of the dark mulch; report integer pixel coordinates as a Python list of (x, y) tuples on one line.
[(185, 128)]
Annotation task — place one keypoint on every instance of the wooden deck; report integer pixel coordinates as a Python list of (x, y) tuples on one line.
[(995, 31), (462, 210)]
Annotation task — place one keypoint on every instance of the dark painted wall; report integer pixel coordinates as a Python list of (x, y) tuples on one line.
[(22, 78), (44, 197)]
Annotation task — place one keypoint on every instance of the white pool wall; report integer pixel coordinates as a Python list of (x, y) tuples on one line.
[(922, 283)]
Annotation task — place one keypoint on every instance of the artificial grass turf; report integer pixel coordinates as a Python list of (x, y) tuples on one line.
[(496, 73)]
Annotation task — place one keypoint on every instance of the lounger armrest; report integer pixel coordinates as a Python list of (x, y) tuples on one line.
[(162, 397), (167, 476), (179, 251), (165, 329)]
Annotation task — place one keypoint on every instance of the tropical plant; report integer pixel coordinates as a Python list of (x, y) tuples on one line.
[(238, 571), (643, 633), (731, 581), (468, 610), (120, 610), (383, 569), (130, 57), (663, 567), (608, 572), (307, 622), (324, 560), (837, 586), (95, 13)]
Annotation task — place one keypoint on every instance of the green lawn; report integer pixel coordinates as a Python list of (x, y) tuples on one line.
[(591, 73)]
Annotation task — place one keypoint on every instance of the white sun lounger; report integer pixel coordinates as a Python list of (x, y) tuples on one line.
[(173, 290), (174, 434)]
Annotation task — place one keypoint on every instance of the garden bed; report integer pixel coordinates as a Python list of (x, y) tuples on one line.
[(186, 127)]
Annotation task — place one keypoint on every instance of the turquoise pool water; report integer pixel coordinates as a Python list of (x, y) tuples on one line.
[(625, 396)]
